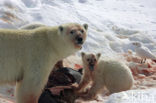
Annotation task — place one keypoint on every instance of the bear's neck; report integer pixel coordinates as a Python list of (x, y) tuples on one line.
[(64, 48), (57, 45)]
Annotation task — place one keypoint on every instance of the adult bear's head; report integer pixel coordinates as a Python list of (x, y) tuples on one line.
[(74, 33)]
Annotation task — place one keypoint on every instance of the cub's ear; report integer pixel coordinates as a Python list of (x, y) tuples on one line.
[(85, 26), (83, 54), (60, 28), (98, 55)]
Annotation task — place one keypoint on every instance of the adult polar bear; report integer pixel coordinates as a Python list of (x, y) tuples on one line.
[(27, 56)]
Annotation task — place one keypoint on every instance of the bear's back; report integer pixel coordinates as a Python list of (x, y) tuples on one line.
[(113, 70)]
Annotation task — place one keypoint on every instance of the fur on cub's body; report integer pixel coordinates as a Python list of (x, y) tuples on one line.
[(116, 75), (112, 74), (28, 56)]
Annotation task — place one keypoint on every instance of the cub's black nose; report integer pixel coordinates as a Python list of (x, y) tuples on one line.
[(79, 40)]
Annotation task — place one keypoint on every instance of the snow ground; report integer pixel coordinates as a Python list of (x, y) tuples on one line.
[(134, 19), (113, 24)]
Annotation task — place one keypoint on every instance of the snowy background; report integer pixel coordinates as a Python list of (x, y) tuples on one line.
[(113, 24), (108, 20)]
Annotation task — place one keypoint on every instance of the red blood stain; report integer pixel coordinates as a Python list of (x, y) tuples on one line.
[(77, 66)]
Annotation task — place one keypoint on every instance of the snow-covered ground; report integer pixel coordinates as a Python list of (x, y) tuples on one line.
[(109, 20), (113, 24)]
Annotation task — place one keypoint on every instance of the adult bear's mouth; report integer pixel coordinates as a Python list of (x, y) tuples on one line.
[(78, 46), (78, 42)]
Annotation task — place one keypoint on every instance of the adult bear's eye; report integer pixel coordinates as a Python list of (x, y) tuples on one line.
[(82, 31)]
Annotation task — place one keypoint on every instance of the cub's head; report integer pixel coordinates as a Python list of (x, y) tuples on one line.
[(90, 60), (74, 34)]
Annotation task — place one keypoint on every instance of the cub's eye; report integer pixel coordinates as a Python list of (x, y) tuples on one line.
[(82, 31), (72, 31)]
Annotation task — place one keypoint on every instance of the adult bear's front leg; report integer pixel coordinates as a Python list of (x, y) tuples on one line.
[(30, 88)]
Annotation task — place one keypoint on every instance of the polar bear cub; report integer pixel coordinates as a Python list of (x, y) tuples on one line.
[(112, 74), (28, 56)]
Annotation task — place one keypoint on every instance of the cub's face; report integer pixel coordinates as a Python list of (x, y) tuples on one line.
[(90, 60), (74, 33)]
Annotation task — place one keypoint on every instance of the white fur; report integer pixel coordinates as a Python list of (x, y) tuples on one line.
[(115, 75)]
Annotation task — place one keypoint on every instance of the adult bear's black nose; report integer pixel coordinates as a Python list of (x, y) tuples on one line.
[(79, 40)]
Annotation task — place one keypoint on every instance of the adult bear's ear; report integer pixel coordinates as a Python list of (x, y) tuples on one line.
[(85, 26), (60, 28)]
